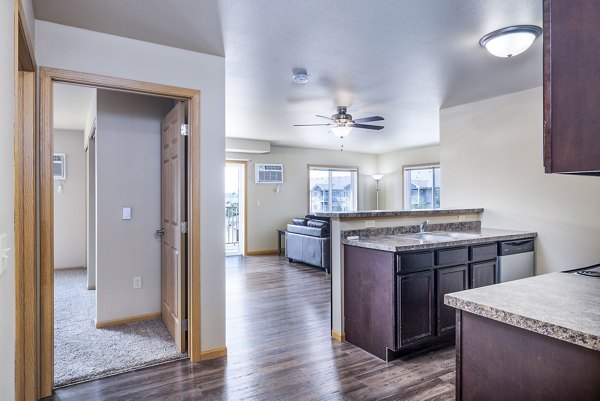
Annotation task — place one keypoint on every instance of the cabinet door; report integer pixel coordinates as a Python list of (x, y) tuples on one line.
[(571, 86), (449, 279), (415, 307), (482, 274)]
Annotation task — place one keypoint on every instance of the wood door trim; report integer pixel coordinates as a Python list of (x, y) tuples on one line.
[(49, 76), (26, 383)]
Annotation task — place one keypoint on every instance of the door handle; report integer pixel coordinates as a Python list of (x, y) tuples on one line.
[(160, 232)]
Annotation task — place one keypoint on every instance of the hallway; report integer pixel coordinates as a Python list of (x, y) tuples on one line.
[(279, 348)]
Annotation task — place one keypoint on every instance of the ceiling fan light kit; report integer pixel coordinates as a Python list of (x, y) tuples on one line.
[(510, 41), (343, 123), (341, 131)]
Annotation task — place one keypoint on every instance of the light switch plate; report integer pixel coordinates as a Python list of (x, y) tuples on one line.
[(137, 282), (126, 213), (4, 253)]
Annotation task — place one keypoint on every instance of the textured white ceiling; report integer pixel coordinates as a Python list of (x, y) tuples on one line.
[(71, 106), (403, 60)]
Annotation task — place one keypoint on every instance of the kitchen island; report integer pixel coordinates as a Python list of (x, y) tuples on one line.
[(535, 338), (395, 282), (374, 222)]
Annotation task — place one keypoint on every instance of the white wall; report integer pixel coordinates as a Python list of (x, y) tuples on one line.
[(93, 52), (277, 210), (7, 114), (491, 156), (70, 204), (128, 175), (390, 165)]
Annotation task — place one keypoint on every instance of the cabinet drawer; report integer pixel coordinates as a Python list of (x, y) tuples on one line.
[(483, 252), (414, 261), (452, 255)]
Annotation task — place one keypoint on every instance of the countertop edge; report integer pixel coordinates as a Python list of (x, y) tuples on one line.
[(398, 213), (432, 245), (552, 330)]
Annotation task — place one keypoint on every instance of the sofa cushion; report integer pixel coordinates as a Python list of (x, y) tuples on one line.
[(310, 231), (317, 223), (299, 221)]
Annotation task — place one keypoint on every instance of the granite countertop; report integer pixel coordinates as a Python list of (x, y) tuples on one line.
[(559, 305), (398, 243), (397, 213)]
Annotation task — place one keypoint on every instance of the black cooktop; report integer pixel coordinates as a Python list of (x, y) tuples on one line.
[(590, 271)]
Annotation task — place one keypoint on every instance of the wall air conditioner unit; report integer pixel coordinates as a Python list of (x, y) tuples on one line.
[(268, 173)]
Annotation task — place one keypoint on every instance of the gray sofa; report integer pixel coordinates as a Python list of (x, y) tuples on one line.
[(308, 240)]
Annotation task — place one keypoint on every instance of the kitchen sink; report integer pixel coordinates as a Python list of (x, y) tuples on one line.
[(439, 236)]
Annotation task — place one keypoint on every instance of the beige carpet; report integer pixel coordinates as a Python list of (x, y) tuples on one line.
[(82, 352)]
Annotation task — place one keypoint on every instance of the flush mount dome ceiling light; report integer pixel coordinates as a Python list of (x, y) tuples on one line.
[(510, 41)]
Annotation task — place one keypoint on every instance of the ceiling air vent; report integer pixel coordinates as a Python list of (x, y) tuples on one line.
[(268, 173)]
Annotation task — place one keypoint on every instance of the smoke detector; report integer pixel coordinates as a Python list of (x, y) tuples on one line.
[(300, 76)]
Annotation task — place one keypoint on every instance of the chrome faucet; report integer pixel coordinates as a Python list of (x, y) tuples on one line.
[(423, 226)]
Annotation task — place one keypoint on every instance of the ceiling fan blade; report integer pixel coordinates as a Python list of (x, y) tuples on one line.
[(366, 126), (368, 119), (329, 118), (309, 125)]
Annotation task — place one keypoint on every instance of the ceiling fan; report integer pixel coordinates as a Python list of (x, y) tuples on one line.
[(342, 122)]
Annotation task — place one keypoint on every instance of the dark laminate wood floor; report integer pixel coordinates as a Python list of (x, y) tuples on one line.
[(278, 339)]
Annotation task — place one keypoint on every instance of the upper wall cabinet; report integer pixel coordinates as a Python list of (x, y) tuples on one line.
[(572, 86)]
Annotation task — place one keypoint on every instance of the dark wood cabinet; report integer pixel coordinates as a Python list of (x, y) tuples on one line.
[(416, 307), (571, 86), (482, 274), (369, 316), (395, 301), (448, 279)]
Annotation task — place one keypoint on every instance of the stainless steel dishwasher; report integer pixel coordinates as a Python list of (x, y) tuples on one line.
[(515, 260)]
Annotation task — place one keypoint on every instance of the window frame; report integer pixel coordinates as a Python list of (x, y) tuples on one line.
[(330, 168), (420, 166)]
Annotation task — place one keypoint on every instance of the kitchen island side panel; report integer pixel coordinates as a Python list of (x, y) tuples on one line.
[(369, 299), (497, 361)]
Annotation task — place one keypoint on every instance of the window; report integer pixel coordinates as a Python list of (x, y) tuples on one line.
[(332, 189), (422, 187)]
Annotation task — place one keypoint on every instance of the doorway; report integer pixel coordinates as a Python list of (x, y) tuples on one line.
[(119, 306), (235, 207), (191, 253)]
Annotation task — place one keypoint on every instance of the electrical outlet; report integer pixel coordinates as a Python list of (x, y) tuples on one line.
[(369, 223), (137, 282), (462, 218), (258, 203)]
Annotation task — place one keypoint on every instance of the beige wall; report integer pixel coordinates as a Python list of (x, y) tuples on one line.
[(128, 175), (76, 49), (278, 209), (70, 204), (491, 155), (390, 164)]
